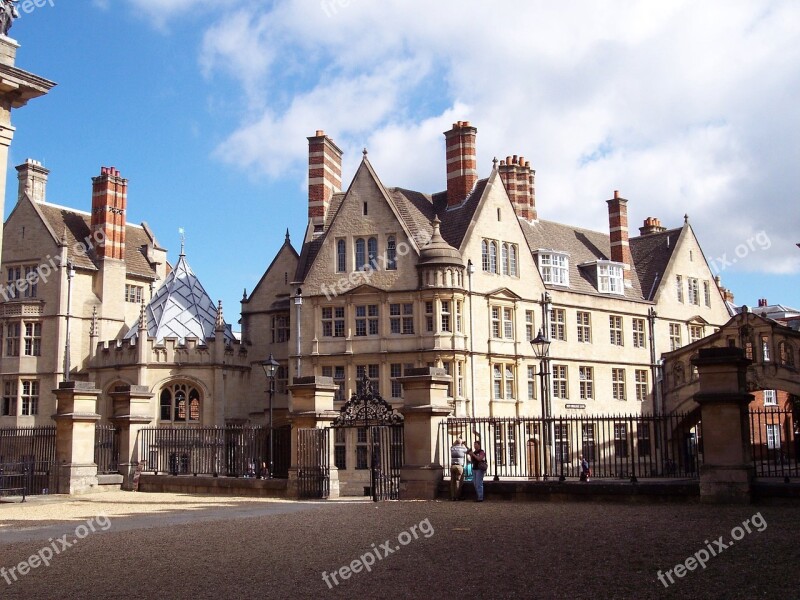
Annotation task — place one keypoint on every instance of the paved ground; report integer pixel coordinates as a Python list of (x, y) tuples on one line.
[(179, 546)]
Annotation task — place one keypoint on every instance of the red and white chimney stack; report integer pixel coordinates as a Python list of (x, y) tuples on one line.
[(109, 203), (618, 233), (518, 178), (324, 177), (462, 161)]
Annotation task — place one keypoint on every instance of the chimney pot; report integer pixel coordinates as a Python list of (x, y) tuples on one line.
[(616, 194)]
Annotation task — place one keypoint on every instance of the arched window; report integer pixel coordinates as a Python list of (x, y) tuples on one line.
[(512, 260), (485, 255), (391, 254), (361, 254), (372, 251), (180, 403), (341, 256), (504, 258), (493, 257)]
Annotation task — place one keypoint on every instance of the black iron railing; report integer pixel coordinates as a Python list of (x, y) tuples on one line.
[(775, 442), (618, 446), (106, 449), (217, 451), (28, 478), (20, 444)]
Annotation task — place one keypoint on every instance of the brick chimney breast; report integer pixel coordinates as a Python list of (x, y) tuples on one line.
[(462, 161), (324, 177), (109, 205)]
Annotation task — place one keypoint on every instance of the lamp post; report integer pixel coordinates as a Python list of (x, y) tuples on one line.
[(541, 348), (270, 367), (298, 302), (67, 349)]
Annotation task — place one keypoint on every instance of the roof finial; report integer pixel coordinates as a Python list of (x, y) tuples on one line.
[(244, 295), (143, 317), (364, 152), (494, 162), (182, 233), (220, 324), (287, 235), (686, 218)]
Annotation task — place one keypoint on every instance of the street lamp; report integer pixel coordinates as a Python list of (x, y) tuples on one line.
[(270, 367), (541, 349)]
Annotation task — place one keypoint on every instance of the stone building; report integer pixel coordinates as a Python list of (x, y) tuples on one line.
[(389, 278), (72, 278)]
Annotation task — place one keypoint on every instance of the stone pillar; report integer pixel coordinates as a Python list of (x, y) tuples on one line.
[(425, 406), (76, 417), (17, 87), (132, 411), (311, 407), (727, 470)]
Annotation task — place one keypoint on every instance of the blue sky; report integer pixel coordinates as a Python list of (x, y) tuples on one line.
[(205, 106)]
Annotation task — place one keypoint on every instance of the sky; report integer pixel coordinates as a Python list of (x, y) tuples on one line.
[(205, 107)]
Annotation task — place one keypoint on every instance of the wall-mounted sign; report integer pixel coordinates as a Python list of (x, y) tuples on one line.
[(575, 406)]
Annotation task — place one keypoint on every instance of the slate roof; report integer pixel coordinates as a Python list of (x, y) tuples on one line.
[(77, 225), (650, 253), (180, 308), (583, 246)]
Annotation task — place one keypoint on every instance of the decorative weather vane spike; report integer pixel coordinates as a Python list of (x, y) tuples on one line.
[(8, 12), (182, 233)]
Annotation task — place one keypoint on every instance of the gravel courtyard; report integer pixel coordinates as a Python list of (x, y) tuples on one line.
[(180, 546)]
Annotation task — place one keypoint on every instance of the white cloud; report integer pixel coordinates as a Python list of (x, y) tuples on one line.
[(683, 106)]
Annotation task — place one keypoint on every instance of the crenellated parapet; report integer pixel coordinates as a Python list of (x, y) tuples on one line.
[(190, 351)]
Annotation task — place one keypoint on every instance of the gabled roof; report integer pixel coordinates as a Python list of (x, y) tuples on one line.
[(181, 308), (75, 226), (651, 254)]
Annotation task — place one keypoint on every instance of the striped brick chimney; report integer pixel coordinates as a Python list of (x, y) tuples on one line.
[(109, 202), (324, 176), (618, 230), (462, 161), (517, 177)]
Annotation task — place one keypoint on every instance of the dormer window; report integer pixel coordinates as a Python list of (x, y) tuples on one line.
[(554, 267), (609, 278)]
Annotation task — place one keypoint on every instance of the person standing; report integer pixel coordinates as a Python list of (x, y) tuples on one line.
[(479, 466), (585, 470), (458, 457)]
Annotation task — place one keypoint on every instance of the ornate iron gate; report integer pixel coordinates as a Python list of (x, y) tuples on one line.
[(313, 464), (368, 410)]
